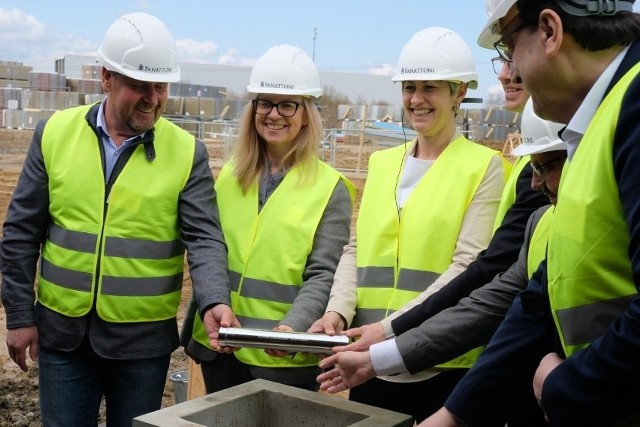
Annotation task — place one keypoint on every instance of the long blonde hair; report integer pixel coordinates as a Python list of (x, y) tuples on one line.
[(250, 155)]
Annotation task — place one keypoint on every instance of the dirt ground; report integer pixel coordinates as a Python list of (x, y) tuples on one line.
[(19, 390)]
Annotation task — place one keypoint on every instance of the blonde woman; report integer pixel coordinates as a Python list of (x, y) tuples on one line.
[(285, 216)]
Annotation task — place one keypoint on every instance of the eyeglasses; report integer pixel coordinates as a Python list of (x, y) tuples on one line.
[(284, 108), (504, 53), (498, 62), (504, 46), (545, 168)]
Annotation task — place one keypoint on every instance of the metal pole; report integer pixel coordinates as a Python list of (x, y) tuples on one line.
[(315, 36)]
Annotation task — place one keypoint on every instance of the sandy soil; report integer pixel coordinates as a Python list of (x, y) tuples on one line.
[(19, 390)]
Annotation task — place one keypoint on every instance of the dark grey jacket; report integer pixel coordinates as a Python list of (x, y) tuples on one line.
[(473, 321)]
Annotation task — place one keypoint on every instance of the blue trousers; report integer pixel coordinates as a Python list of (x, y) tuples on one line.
[(72, 384)]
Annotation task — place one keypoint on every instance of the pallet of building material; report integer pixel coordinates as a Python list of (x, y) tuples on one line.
[(22, 84), (85, 85), (21, 72), (5, 72), (21, 119), (49, 101), (10, 98), (47, 81), (14, 71)]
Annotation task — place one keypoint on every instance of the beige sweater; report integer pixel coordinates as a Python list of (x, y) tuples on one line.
[(474, 237)]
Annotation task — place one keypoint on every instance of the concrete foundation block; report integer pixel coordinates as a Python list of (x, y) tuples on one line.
[(269, 404)]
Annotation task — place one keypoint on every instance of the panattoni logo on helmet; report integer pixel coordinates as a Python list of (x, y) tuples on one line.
[(146, 69), (419, 70), (275, 85)]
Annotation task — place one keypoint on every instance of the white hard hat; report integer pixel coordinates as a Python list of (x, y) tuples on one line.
[(496, 10), (285, 70), (538, 135), (437, 53), (140, 46)]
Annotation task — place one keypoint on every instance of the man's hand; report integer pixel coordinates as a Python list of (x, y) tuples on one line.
[(17, 342), (345, 370), (220, 315), (331, 323), (367, 336), (547, 364)]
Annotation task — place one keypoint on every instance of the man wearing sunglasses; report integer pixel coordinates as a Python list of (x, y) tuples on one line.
[(575, 332)]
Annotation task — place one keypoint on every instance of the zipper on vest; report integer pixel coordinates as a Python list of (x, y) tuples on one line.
[(117, 169)]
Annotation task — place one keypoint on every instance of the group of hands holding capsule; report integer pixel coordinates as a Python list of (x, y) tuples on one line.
[(348, 365)]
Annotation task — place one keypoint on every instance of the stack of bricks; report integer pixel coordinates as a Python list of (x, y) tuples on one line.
[(14, 74)]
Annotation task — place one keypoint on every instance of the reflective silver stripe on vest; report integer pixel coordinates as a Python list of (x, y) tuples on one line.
[(69, 279), (73, 240), (141, 286), (268, 291), (588, 322), (234, 280), (375, 277), (142, 249), (415, 280), (365, 316), (114, 246), (252, 322), (408, 280)]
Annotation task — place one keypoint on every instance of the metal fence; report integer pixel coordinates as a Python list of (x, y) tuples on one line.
[(347, 149)]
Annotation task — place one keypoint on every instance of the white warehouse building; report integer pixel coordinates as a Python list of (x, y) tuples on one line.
[(366, 87)]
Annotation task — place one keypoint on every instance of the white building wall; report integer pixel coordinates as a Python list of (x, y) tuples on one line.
[(368, 87)]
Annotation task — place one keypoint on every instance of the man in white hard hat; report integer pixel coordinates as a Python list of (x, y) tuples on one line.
[(574, 332), (109, 198), (471, 323), (515, 94)]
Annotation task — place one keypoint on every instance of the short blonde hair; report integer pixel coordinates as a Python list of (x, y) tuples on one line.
[(250, 156)]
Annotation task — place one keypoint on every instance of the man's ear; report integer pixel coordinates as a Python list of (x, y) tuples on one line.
[(550, 23), (107, 80)]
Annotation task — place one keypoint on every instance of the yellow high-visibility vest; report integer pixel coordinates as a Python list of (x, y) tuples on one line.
[(589, 270), (509, 192), (268, 250), (124, 252), (538, 243), (400, 254)]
